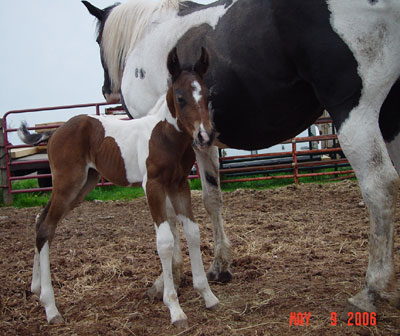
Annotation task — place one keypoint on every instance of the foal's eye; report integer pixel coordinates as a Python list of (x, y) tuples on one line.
[(181, 101)]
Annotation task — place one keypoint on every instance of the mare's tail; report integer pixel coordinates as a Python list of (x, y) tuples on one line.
[(32, 138)]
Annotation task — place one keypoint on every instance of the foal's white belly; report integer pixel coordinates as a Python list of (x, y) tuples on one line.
[(132, 138)]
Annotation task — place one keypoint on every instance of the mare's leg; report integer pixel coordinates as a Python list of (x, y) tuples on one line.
[(363, 145), (65, 196), (156, 198), (157, 290), (208, 164), (182, 204)]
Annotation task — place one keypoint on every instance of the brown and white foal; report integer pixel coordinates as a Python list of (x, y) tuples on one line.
[(155, 150)]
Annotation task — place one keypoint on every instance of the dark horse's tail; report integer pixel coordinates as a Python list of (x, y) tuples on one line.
[(32, 139)]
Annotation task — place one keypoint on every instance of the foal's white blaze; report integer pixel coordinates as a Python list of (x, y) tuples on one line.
[(196, 91), (200, 283), (204, 134), (47, 293), (165, 247)]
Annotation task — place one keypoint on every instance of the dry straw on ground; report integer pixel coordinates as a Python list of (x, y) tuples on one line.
[(296, 249)]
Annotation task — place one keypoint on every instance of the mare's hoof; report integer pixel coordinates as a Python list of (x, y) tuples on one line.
[(181, 324), (215, 307), (219, 277), (57, 320), (154, 294), (348, 314)]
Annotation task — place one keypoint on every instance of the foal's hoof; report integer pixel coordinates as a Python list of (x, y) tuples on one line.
[(349, 312), (219, 276), (58, 319), (181, 324)]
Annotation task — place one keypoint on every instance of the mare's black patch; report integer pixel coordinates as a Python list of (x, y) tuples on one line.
[(373, 2), (189, 7), (211, 179), (389, 116), (275, 80)]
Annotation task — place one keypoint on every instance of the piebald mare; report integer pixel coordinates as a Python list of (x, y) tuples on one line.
[(277, 64), (157, 150)]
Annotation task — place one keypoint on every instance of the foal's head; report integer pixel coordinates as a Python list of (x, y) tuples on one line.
[(187, 99)]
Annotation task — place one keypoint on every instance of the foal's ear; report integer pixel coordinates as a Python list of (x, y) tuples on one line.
[(96, 12), (173, 65), (202, 64)]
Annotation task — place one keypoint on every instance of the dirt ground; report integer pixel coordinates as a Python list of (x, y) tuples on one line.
[(296, 249)]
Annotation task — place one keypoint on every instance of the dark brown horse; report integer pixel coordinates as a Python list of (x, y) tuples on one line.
[(155, 150)]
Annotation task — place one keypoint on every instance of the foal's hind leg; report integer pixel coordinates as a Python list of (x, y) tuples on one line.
[(65, 196), (45, 231), (208, 164), (364, 147)]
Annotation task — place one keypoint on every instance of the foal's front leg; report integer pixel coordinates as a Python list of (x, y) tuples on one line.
[(208, 163), (182, 204), (157, 290), (156, 198)]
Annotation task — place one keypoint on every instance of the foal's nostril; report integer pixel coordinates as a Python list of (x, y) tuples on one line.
[(203, 137)]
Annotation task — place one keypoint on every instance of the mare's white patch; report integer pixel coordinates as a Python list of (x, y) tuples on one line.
[(196, 91), (373, 37), (151, 52)]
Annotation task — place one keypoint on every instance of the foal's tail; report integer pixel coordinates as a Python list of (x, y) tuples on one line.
[(32, 139)]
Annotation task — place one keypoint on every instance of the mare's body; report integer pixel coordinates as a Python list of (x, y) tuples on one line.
[(276, 65)]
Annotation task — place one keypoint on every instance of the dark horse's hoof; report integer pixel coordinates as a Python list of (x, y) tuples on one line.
[(219, 277)]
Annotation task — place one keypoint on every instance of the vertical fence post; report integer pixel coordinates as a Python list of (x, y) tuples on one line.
[(7, 197), (295, 167)]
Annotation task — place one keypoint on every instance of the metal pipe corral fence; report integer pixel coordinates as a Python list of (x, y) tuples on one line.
[(291, 163)]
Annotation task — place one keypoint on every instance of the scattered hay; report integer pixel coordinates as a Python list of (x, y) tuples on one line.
[(302, 249)]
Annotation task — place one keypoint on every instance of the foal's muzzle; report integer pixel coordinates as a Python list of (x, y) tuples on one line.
[(204, 139)]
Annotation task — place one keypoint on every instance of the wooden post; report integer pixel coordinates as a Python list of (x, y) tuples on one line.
[(7, 197), (294, 163)]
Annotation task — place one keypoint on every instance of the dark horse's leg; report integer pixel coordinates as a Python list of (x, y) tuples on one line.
[(362, 142)]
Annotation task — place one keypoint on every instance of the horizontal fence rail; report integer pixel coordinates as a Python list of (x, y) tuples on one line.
[(293, 164)]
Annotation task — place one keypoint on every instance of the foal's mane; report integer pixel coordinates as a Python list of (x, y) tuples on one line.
[(124, 27)]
